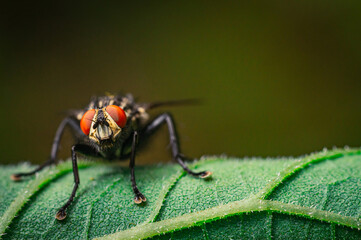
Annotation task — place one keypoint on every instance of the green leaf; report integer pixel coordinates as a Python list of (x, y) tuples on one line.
[(312, 197)]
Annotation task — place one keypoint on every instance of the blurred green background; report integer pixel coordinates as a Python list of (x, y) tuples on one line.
[(275, 78)]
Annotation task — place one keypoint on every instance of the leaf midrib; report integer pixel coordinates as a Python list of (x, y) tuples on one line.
[(238, 207)]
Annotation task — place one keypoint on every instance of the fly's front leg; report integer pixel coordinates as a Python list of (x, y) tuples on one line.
[(167, 118), (61, 214), (54, 150), (139, 197)]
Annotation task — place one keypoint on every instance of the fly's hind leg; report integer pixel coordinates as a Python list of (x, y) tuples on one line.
[(54, 150), (167, 118)]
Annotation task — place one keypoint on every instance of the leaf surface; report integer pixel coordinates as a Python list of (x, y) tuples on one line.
[(312, 197)]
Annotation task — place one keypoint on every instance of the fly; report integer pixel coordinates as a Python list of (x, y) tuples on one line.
[(108, 127)]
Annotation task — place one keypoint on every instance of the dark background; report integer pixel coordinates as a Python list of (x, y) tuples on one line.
[(276, 78)]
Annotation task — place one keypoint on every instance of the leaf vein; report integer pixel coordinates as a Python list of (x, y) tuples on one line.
[(90, 210), (299, 165), (163, 194)]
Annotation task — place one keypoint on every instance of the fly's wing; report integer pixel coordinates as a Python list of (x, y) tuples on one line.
[(140, 109), (181, 102)]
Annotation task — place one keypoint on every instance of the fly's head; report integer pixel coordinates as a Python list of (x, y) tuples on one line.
[(103, 125)]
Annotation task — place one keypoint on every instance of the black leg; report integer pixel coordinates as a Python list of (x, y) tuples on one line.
[(54, 150), (61, 214), (167, 118), (139, 197)]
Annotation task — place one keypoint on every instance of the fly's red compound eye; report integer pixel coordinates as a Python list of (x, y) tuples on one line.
[(86, 121), (117, 114)]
